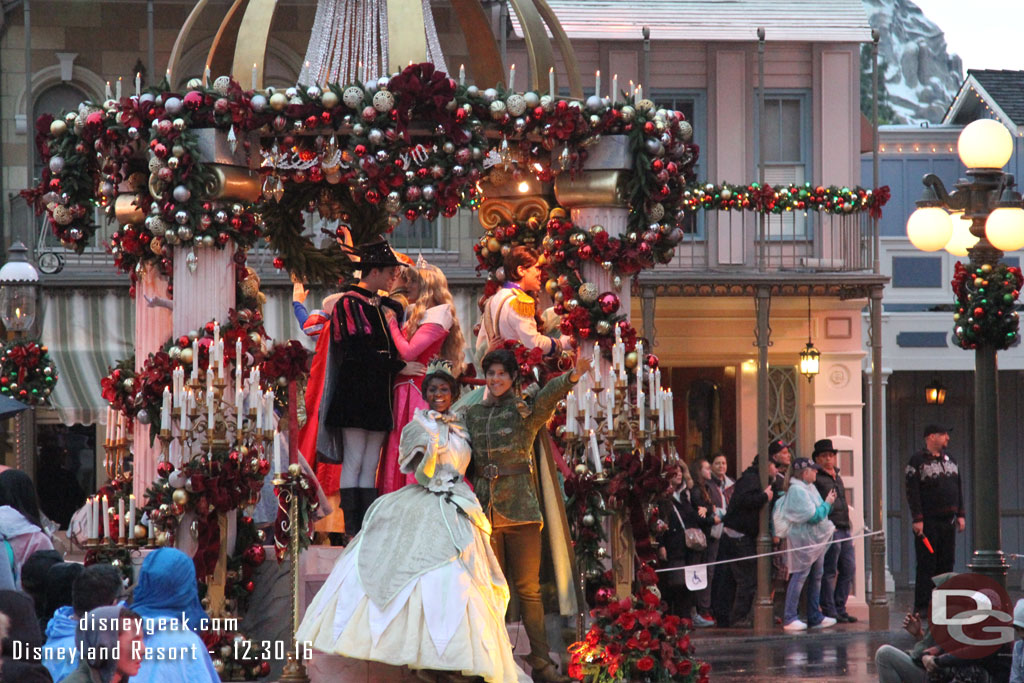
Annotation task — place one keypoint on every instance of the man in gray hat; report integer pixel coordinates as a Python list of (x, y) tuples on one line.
[(936, 502)]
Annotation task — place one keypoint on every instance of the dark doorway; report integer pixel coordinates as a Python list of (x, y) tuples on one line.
[(705, 413)]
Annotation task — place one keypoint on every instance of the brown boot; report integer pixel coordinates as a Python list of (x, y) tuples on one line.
[(548, 673)]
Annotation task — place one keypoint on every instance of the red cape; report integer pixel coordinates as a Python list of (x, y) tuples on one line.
[(328, 475)]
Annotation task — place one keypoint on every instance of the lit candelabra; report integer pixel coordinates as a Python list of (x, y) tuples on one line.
[(102, 510), (603, 416), (202, 415)]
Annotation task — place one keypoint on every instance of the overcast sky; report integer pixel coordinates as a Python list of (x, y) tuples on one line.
[(985, 33)]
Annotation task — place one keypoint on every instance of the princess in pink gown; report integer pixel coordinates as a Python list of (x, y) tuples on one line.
[(432, 330)]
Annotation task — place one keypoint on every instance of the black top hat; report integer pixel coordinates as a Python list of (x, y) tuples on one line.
[(936, 429), (823, 446), (377, 254)]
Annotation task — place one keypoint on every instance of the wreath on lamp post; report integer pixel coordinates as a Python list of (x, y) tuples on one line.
[(985, 300), (27, 373)]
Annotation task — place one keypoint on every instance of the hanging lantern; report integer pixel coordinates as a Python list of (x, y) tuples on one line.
[(810, 361), (810, 357)]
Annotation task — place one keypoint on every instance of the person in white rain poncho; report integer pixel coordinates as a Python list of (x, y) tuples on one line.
[(801, 517)]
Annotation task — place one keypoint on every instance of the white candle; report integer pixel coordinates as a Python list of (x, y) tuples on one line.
[(551, 81), (615, 88), (206, 76), (255, 76), (152, 532), (88, 517), (462, 74), (277, 453), (632, 90), (119, 88), (622, 363), (609, 406), (595, 368), (165, 411), (108, 95), (570, 413), (183, 427), (268, 408), (670, 420), (662, 412), (596, 450), (641, 406), (131, 516), (586, 413), (209, 411), (238, 366), (138, 83), (195, 360), (512, 78), (216, 332), (259, 414), (597, 82), (96, 502), (105, 508), (639, 94), (120, 518), (238, 409), (167, 75)]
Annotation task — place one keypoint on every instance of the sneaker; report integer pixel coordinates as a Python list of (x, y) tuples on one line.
[(702, 622), (795, 625), (825, 623), (846, 619), (708, 617)]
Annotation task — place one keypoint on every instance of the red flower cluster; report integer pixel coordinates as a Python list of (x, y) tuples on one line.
[(633, 636)]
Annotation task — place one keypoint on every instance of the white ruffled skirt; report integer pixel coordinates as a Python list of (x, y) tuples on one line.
[(450, 617)]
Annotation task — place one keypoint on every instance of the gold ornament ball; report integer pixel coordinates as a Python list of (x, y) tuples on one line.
[(141, 531), (218, 666), (278, 101), (294, 469), (588, 292), (161, 538), (551, 286), (58, 128), (225, 651), (581, 469), (631, 359), (603, 327), (205, 602), (180, 496), (186, 356), (493, 244), (594, 230), (243, 449), (329, 100)]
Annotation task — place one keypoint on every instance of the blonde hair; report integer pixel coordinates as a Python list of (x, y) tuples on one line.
[(434, 292)]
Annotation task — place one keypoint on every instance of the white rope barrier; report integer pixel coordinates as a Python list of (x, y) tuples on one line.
[(774, 552)]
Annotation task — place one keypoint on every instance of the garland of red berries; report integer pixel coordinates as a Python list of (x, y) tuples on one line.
[(27, 373), (985, 300)]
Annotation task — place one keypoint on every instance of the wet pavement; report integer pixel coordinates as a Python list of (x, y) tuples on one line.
[(844, 652)]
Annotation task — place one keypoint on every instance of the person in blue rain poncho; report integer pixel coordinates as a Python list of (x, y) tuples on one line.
[(167, 590), (801, 516)]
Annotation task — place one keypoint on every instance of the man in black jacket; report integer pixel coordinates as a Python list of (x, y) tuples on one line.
[(840, 561), (937, 507), (739, 538)]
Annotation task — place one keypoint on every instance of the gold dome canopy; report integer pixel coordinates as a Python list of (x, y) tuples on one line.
[(239, 46)]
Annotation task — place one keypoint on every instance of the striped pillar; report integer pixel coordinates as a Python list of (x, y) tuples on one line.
[(152, 330)]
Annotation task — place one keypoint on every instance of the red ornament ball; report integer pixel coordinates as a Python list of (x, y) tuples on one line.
[(278, 262), (608, 302)]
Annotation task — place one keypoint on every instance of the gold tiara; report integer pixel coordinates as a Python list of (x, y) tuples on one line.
[(441, 367)]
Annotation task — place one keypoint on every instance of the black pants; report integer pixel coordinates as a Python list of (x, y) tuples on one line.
[(744, 574), (941, 533)]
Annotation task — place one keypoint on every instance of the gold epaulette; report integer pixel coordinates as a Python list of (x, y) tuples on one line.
[(523, 304)]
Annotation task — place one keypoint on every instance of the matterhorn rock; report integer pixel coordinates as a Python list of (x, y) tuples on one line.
[(921, 77)]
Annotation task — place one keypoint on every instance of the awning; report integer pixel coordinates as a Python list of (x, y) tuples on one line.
[(86, 332)]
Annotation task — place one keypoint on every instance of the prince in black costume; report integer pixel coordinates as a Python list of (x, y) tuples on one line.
[(361, 368)]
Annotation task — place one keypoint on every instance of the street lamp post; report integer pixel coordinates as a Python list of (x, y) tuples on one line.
[(19, 283), (988, 200)]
